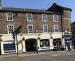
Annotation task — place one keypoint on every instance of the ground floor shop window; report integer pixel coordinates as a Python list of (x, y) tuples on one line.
[(57, 44), (9, 47), (44, 43)]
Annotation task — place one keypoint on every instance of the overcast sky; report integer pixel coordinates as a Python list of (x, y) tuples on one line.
[(39, 4)]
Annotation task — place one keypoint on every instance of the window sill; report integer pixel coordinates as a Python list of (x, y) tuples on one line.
[(9, 21)]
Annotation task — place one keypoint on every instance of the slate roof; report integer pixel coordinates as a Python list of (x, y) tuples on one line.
[(57, 8), (9, 9), (53, 9)]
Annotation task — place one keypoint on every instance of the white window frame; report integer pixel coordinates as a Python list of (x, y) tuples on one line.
[(28, 29), (46, 18), (55, 18), (8, 16), (54, 27), (44, 27), (8, 29), (27, 17)]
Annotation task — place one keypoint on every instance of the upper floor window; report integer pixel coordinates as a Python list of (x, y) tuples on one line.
[(9, 16), (44, 17), (55, 18), (56, 28), (45, 28), (69, 14), (30, 28), (29, 17), (10, 28)]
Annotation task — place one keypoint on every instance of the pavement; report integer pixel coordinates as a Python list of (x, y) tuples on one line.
[(50, 53), (41, 56)]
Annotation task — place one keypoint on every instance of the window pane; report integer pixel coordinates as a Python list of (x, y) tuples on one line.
[(9, 18)]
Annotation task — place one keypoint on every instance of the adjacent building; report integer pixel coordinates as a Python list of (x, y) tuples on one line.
[(40, 29), (73, 33)]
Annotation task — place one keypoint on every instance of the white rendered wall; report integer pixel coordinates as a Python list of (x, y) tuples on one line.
[(21, 45)]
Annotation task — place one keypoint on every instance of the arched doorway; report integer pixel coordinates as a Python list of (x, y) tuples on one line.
[(31, 45), (57, 44)]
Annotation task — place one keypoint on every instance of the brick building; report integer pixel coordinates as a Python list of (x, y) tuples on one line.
[(40, 29), (73, 33)]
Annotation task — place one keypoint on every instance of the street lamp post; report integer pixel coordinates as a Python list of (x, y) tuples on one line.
[(37, 39), (37, 43), (50, 38), (15, 33)]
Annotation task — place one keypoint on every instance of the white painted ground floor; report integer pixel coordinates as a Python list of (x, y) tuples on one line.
[(34, 42)]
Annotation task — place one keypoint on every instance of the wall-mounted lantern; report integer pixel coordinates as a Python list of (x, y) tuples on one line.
[(23, 38), (38, 37), (0, 38), (51, 37)]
